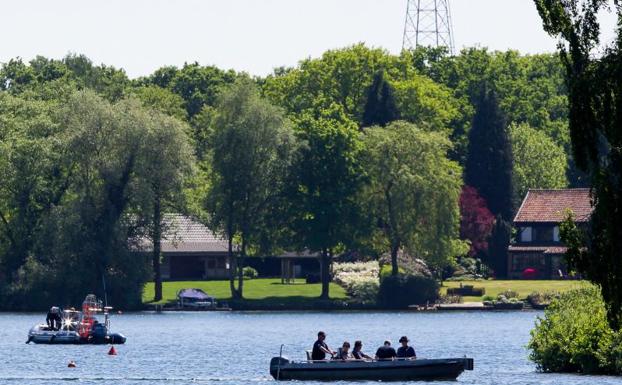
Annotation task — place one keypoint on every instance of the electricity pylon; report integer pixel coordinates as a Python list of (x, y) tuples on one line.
[(428, 24)]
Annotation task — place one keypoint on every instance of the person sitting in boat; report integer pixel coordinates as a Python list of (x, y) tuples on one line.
[(53, 318), (357, 352), (386, 351), (406, 351), (343, 353), (320, 349)]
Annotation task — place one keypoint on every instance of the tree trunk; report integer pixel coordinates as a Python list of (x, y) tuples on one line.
[(157, 248), (395, 248), (325, 273), (241, 270), (232, 266)]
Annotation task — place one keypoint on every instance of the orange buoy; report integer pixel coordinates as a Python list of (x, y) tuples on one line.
[(71, 364), (112, 351)]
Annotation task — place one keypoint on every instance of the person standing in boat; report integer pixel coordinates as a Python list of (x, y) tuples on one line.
[(357, 352), (406, 351), (386, 352), (53, 318), (320, 349)]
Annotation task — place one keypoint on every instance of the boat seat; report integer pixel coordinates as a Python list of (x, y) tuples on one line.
[(308, 355)]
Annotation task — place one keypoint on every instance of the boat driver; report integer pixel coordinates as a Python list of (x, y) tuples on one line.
[(320, 349), (53, 318), (406, 351)]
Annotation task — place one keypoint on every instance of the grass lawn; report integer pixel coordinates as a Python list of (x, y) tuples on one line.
[(524, 288), (254, 289)]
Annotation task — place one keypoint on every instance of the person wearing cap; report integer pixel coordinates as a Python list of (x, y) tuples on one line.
[(320, 349), (357, 352), (406, 351), (385, 352)]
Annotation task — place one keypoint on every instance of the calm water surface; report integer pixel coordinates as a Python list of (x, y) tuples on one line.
[(235, 348)]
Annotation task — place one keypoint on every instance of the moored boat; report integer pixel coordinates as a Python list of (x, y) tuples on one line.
[(78, 327), (357, 370)]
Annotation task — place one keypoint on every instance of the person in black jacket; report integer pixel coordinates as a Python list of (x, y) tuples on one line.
[(385, 352), (320, 349), (406, 351), (53, 318)]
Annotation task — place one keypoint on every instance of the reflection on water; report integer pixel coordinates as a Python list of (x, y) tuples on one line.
[(235, 348)]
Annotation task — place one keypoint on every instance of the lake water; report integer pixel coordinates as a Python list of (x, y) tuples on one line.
[(236, 347)]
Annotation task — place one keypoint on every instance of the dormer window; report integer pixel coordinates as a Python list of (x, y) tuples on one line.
[(544, 234), (526, 234)]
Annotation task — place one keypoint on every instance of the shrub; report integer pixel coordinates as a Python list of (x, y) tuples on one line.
[(574, 336), (360, 279), (249, 273), (509, 294), (404, 290), (541, 299), (450, 299)]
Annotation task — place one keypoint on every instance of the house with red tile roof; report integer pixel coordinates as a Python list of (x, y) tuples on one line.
[(537, 252)]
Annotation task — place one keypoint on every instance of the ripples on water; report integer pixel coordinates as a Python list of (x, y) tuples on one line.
[(235, 348)]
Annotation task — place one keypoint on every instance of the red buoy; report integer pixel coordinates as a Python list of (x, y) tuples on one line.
[(112, 351)]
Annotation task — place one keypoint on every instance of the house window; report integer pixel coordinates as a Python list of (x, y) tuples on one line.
[(525, 234), (544, 234), (556, 233)]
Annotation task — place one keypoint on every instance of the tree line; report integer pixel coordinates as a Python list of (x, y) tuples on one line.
[(356, 151)]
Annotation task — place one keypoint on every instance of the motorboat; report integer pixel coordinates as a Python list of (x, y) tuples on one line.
[(282, 368), (78, 327), (195, 299)]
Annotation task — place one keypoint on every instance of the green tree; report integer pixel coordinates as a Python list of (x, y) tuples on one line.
[(531, 88), (35, 176), (253, 147), (326, 180), (489, 169), (489, 163), (166, 164), (161, 99), (197, 85), (595, 92), (413, 192), (380, 106), (538, 161)]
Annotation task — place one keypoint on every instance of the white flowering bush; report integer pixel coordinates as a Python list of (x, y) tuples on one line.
[(360, 279)]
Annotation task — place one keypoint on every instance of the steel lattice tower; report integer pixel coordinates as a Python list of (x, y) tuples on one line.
[(428, 24)]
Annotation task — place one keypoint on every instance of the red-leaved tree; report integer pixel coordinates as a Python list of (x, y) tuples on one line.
[(476, 221)]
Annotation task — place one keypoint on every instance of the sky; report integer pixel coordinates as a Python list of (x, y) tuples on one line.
[(246, 35)]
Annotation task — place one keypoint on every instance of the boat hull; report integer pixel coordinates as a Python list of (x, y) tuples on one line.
[(399, 370)]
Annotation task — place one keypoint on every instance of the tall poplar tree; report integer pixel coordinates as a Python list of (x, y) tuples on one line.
[(489, 169), (380, 107)]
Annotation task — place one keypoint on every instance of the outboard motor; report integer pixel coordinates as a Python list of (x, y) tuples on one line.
[(99, 333), (276, 363)]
